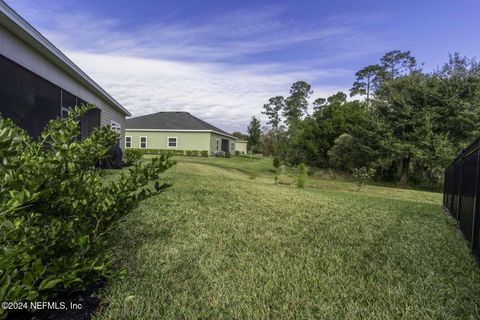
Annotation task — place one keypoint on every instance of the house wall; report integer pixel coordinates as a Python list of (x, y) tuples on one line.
[(241, 146), (213, 143), (158, 139), (185, 140), (20, 52)]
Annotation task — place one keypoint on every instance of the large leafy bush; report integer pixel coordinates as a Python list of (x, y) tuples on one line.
[(56, 210), (132, 156)]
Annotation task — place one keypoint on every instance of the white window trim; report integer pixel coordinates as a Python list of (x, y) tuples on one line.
[(62, 109), (115, 126), (176, 142), (131, 140), (140, 142)]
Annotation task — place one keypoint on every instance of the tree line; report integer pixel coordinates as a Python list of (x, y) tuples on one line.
[(404, 123)]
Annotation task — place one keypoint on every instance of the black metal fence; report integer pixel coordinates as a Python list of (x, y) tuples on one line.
[(461, 195)]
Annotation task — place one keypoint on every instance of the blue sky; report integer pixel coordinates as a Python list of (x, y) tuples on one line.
[(221, 60)]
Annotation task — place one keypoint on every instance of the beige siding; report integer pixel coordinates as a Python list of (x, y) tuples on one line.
[(108, 114), (158, 139), (213, 143), (241, 146), (187, 140)]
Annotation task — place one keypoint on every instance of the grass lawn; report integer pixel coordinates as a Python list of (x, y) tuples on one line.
[(219, 245)]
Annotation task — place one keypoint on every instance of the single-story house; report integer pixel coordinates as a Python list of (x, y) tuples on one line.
[(241, 146), (38, 82), (177, 131)]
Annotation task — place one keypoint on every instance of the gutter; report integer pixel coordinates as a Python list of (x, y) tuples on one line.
[(182, 130)]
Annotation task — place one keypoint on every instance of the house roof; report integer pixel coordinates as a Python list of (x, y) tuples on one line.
[(13, 22), (174, 121)]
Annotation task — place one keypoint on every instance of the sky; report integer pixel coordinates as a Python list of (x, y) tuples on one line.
[(221, 60)]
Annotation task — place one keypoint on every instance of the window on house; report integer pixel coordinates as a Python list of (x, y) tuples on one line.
[(115, 126), (128, 142), (218, 143), (232, 146), (65, 112), (172, 142), (143, 142), (68, 99)]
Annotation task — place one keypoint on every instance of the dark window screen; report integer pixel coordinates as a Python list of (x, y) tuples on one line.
[(89, 121), (81, 102), (225, 145), (68, 100), (26, 98)]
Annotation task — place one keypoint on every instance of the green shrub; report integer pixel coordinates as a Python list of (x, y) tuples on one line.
[(193, 153), (56, 210), (204, 153), (179, 152), (253, 174), (362, 175), (249, 156), (302, 175), (228, 155), (132, 156), (276, 178), (168, 152), (277, 162), (237, 153)]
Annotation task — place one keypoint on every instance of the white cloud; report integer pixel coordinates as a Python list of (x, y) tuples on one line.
[(225, 96), (204, 67)]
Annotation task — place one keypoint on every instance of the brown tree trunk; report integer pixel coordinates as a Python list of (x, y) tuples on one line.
[(405, 171)]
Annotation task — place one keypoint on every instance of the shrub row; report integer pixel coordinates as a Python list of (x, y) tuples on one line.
[(191, 153), (56, 211), (222, 154), (132, 156)]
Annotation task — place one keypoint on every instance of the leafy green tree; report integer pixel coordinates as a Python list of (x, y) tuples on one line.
[(342, 153), (296, 104), (457, 88), (367, 81), (302, 144), (254, 134), (411, 127), (239, 135), (397, 63), (334, 119), (337, 98), (402, 108), (319, 103), (273, 142), (273, 109)]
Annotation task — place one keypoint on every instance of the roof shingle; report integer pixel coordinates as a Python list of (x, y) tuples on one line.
[(171, 120)]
